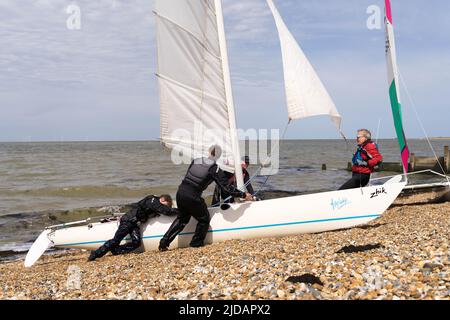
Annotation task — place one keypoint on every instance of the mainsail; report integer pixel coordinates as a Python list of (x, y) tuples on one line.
[(306, 95), (394, 91), (196, 100)]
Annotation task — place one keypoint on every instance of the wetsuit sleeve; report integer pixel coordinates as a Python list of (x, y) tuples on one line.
[(376, 157), (159, 208), (222, 182), (249, 185)]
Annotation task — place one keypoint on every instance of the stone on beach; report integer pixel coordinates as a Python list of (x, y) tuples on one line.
[(410, 262)]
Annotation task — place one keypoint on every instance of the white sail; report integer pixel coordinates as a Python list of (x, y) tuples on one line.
[(197, 108), (305, 92)]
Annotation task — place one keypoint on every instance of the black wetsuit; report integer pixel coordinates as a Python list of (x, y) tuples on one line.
[(141, 211), (358, 180), (247, 183), (201, 173), (220, 194)]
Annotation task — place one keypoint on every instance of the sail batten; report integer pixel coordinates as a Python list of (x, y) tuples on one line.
[(194, 36), (187, 87), (394, 90), (305, 93)]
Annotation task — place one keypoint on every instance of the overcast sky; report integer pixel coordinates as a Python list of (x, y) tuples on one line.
[(98, 83)]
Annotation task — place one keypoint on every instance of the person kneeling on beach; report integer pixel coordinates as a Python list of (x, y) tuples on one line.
[(130, 223)]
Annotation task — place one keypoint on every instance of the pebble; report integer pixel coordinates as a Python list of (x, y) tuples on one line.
[(413, 263)]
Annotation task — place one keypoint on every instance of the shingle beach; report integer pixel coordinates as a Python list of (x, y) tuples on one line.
[(403, 255)]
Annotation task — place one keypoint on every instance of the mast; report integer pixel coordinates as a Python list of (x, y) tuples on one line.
[(229, 96), (394, 90)]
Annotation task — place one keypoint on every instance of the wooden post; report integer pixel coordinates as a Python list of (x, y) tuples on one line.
[(447, 158), (413, 162)]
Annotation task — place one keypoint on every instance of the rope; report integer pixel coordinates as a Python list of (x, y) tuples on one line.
[(378, 131), (421, 124), (262, 166), (269, 175), (414, 173), (347, 143)]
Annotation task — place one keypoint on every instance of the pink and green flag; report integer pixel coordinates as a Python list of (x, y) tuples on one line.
[(394, 90)]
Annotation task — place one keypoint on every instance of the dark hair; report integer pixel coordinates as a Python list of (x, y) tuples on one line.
[(168, 198)]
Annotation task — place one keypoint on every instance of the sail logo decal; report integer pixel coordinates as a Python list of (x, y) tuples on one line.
[(339, 203), (378, 192), (388, 45)]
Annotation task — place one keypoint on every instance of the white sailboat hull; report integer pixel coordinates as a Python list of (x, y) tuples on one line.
[(271, 218)]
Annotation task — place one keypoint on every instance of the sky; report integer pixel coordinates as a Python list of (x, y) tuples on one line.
[(97, 82)]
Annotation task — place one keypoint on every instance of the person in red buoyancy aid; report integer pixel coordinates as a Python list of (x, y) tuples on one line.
[(366, 158)]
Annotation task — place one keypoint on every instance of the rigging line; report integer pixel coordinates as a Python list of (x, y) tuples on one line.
[(277, 147), (347, 143), (347, 146), (421, 123), (262, 166), (378, 130), (413, 173), (265, 162), (282, 138)]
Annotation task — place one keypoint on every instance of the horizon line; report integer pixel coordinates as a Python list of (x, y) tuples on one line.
[(158, 140)]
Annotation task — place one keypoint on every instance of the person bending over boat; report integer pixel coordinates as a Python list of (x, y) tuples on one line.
[(222, 195), (201, 173), (364, 161), (130, 223)]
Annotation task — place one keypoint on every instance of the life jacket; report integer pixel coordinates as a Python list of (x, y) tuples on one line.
[(199, 175), (359, 155), (367, 152), (232, 179), (142, 210)]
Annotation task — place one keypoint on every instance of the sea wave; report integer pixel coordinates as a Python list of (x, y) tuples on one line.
[(88, 191)]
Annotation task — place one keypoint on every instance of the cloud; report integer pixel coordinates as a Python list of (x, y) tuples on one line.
[(247, 21), (109, 39), (106, 69)]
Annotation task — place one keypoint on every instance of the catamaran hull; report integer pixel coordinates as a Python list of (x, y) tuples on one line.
[(271, 218)]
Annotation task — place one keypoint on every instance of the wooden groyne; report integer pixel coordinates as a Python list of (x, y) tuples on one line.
[(417, 163)]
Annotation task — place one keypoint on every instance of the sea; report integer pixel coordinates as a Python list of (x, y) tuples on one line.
[(45, 183)]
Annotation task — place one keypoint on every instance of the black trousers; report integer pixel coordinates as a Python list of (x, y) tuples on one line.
[(191, 204), (126, 227), (219, 196), (358, 180)]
